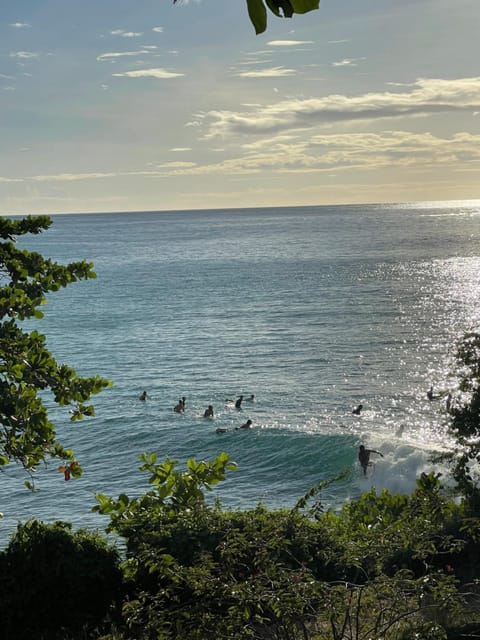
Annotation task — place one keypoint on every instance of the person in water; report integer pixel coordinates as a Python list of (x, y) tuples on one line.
[(250, 398), (364, 457), (180, 407), (430, 393), (238, 403), (208, 412), (245, 425), (357, 410), (448, 401), (143, 395)]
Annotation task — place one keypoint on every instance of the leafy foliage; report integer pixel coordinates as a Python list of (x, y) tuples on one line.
[(196, 571), (173, 491), (55, 584), (465, 425), (27, 368), (387, 566), (257, 10)]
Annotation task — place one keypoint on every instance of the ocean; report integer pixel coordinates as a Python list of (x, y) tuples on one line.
[(314, 310)]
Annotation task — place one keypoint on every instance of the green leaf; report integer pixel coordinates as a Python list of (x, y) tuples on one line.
[(304, 6), (258, 15), (273, 6)]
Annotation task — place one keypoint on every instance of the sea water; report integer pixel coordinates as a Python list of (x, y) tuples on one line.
[(312, 309)]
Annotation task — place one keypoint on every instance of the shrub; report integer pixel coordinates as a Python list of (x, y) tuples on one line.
[(55, 584)]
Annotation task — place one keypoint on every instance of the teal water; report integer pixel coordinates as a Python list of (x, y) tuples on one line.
[(312, 309)]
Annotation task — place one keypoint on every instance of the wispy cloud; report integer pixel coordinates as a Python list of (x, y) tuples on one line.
[(428, 96), (158, 29), (19, 25), (176, 165), (126, 34), (342, 152), (347, 62), (23, 55), (272, 72), (69, 177), (121, 54), (319, 154), (161, 74), (288, 43)]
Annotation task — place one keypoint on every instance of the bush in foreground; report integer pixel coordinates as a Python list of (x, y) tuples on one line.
[(55, 584)]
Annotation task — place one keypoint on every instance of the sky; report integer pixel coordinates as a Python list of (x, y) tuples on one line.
[(138, 105)]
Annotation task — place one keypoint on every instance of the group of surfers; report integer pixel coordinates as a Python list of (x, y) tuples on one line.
[(363, 453), (209, 412)]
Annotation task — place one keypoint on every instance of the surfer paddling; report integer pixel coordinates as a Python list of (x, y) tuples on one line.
[(364, 457), (208, 412), (245, 425)]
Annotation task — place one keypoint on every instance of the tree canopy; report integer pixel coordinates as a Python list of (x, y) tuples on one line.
[(28, 371)]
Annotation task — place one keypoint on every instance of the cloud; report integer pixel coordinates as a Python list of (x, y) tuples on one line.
[(121, 54), (161, 74), (158, 29), (181, 149), (24, 55), (426, 97), (367, 152), (272, 72), (288, 43), (177, 165), (69, 177), (347, 62), (19, 25), (126, 34), (390, 150)]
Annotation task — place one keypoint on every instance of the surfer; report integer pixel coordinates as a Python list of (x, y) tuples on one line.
[(448, 401), (180, 407), (250, 399), (430, 394), (238, 403), (245, 425), (208, 412), (364, 457), (357, 410), (143, 395)]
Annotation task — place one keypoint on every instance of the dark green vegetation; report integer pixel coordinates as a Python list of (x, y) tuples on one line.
[(27, 368), (390, 567), (257, 10), (55, 584), (387, 566)]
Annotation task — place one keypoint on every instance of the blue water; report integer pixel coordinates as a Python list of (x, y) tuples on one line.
[(312, 309)]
